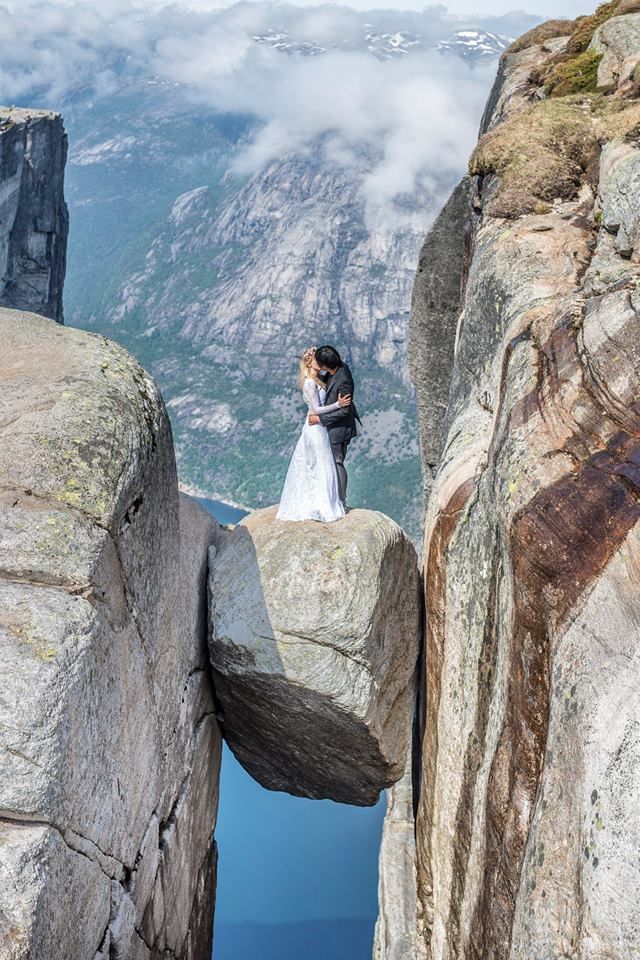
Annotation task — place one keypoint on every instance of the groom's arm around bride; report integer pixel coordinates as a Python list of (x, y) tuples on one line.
[(340, 385)]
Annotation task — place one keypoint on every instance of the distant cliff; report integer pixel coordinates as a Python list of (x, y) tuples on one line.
[(33, 214), (528, 835)]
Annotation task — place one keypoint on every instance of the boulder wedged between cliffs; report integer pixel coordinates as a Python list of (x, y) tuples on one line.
[(314, 637)]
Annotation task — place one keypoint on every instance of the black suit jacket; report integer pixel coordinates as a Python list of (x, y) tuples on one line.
[(341, 424)]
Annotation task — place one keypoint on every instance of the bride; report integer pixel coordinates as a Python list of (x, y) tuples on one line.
[(310, 489)]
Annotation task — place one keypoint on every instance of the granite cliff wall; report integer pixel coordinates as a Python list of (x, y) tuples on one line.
[(109, 745), (33, 214), (527, 829)]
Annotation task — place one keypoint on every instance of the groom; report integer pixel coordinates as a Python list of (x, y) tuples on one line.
[(341, 424)]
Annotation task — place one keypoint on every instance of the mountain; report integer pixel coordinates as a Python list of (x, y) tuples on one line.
[(217, 276), (475, 44), (386, 46)]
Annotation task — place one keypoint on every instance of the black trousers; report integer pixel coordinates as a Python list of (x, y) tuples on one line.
[(339, 451)]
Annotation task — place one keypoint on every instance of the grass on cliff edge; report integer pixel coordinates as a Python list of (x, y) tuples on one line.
[(549, 149), (579, 31), (568, 74)]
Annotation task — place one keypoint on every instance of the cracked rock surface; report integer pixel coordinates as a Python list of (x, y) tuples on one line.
[(34, 220), (109, 747), (314, 639)]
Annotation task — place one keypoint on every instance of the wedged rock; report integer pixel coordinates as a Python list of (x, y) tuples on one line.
[(109, 747), (528, 832), (314, 639), (34, 220)]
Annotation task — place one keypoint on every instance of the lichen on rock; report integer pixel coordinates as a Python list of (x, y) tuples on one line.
[(109, 748)]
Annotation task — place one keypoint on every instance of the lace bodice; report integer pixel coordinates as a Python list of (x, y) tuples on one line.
[(314, 397)]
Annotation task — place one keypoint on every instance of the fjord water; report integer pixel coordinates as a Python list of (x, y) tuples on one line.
[(296, 878)]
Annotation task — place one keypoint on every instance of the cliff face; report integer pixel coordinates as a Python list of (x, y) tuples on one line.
[(289, 251), (396, 933), (109, 747), (33, 214), (528, 834), (435, 307)]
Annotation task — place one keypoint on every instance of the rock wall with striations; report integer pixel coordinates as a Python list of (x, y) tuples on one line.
[(528, 834), (109, 745), (34, 221)]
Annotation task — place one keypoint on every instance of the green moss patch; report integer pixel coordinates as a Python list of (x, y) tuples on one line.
[(572, 74)]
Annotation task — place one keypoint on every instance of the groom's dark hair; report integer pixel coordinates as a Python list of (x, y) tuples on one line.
[(328, 357)]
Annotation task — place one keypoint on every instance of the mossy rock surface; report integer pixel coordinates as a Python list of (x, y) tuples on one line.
[(572, 74), (548, 150)]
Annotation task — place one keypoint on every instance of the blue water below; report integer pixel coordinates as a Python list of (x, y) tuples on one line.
[(297, 878), (223, 512)]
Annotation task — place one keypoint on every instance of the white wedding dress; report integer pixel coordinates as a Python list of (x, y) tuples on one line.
[(310, 489)]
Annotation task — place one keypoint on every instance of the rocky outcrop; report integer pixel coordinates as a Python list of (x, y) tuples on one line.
[(33, 214), (528, 833), (617, 41), (109, 746), (435, 307), (396, 931), (314, 640)]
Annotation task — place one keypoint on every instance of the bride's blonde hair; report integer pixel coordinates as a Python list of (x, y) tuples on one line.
[(306, 371)]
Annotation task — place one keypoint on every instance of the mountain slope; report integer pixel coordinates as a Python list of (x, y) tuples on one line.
[(217, 276)]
